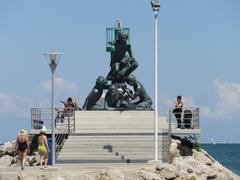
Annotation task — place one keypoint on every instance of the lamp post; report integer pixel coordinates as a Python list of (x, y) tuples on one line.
[(52, 59), (155, 7)]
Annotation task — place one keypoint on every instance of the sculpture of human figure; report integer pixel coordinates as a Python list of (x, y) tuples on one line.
[(122, 61), (144, 102), (96, 93), (115, 98)]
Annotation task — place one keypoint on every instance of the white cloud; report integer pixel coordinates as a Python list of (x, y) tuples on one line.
[(188, 101), (19, 106), (228, 101), (63, 89), (61, 85)]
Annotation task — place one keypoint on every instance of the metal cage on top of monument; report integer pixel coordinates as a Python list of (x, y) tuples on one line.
[(112, 36)]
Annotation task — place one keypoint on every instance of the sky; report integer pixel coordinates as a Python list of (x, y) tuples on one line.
[(199, 56)]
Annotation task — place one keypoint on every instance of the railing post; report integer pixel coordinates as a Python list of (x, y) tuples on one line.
[(31, 118), (169, 132), (68, 124), (74, 123), (198, 118), (170, 120)]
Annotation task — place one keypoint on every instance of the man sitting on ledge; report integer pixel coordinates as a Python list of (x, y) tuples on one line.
[(70, 106)]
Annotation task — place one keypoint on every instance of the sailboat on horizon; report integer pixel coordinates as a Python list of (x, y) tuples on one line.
[(212, 141)]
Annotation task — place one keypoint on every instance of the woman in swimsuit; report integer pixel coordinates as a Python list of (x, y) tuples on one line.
[(178, 111), (22, 146), (43, 148)]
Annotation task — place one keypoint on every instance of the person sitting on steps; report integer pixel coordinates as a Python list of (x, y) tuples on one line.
[(69, 107)]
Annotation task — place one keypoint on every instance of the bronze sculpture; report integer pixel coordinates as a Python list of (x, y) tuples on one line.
[(119, 96), (144, 101), (96, 93), (122, 64)]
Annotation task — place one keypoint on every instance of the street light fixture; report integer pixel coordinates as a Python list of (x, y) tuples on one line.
[(53, 59), (155, 7)]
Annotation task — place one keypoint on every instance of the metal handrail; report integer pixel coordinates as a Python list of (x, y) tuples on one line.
[(42, 117), (64, 131), (186, 118)]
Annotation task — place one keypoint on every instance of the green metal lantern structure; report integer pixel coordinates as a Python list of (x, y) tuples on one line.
[(112, 36)]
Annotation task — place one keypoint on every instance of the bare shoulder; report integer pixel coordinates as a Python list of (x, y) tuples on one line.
[(40, 138)]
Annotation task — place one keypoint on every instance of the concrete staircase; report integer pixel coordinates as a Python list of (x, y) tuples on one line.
[(112, 136)]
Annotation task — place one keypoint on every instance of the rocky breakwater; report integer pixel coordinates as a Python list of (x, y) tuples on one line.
[(186, 163)]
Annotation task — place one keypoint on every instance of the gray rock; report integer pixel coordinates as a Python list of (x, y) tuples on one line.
[(103, 176), (8, 148), (189, 170), (169, 175), (190, 177), (6, 160), (148, 175), (212, 176)]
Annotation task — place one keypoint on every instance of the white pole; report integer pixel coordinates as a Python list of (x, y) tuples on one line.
[(156, 87), (53, 123)]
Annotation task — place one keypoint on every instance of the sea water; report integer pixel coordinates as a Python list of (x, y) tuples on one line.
[(227, 154)]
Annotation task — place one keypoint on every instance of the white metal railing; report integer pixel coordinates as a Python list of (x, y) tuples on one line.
[(64, 122), (40, 117), (184, 118)]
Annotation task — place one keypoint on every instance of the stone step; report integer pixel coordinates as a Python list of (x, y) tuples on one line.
[(135, 157), (90, 157), (71, 161), (110, 143), (109, 127), (99, 150), (113, 147), (123, 120), (113, 117), (95, 137), (109, 157), (117, 131), (136, 122), (87, 153), (112, 136), (112, 140)]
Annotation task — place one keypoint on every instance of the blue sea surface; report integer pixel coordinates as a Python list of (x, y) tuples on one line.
[(227, 154)]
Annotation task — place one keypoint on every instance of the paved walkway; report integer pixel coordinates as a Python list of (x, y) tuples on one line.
[(73, 171)]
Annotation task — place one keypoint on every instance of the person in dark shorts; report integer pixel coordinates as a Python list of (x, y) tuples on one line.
[(178, 111), (22, 146)]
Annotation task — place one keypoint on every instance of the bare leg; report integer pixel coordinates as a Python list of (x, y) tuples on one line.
[(24, 157), (21, 158), (41, 160), (45, 159)]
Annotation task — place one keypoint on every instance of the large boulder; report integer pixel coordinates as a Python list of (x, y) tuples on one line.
[(6, 160), (103, 176), (8, 148), (168, 174), (145, 174), (201, 165), (173, 149)]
